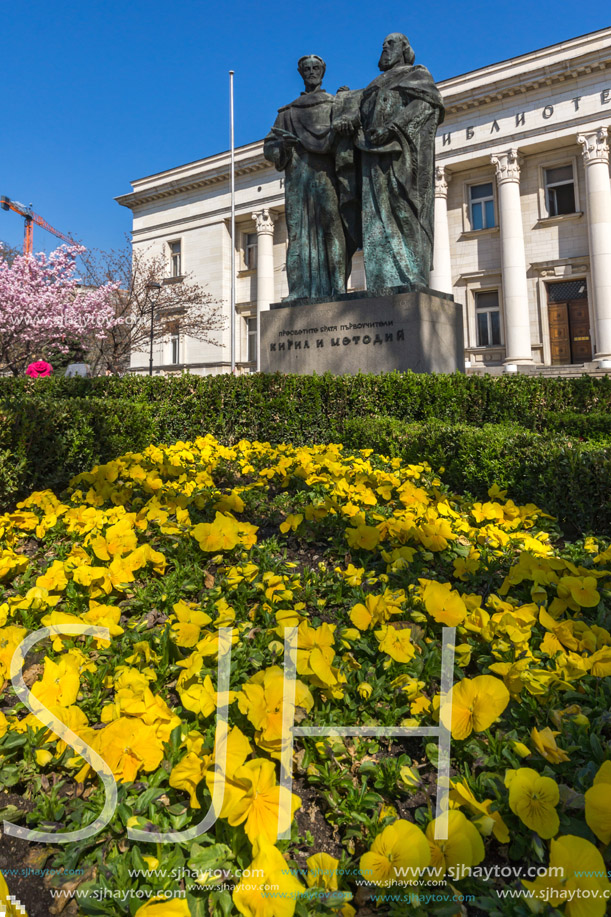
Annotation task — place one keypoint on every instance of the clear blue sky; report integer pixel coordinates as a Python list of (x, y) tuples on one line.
[(98, 92)]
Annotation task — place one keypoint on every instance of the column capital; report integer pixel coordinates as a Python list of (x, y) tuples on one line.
[(507, 166), (442, 177), (595, 145), (264, 221)]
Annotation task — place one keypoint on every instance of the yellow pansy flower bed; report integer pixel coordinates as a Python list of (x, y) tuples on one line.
[(328, 579)]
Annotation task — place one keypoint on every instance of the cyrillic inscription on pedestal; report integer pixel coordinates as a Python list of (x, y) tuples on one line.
[(418, 331)]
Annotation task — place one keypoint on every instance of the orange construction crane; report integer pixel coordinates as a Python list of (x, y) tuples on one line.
[(30, 218)]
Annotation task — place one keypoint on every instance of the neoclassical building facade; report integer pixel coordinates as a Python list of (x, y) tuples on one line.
[(522, 219)]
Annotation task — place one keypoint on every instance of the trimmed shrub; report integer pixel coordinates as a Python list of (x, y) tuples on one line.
[(265, 405), (568, 478), (46, 441)]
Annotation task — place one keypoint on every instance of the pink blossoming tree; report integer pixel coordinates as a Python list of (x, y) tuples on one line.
[(42, 307)]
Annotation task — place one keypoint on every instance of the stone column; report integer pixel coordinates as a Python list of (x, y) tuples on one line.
[(264, 222), (598, 192), (513, 259), (441, 275)]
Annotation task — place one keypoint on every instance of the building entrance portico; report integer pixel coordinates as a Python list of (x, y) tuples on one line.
[(569, 322)]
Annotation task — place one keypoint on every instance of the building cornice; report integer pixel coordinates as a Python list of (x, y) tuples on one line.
[(529, 72), (515, 77), (196, 221), (204, 177)]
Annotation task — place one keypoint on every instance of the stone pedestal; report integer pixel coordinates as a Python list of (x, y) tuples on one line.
[(362, 332)]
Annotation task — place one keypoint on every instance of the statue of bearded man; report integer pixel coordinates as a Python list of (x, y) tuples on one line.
[(394, 121)]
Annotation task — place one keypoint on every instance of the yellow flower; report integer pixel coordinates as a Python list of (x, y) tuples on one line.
[(533, 799), (119, 539), (287, 617), (322, 872), (463, 566), (397, 855), (201, 697), (231, 501), (268, 870), (363, 536), (582, 885), (128, 746), (600, 662), (237, 750), (60, 682), (188, 774), (10, 638), (474, 705), (291, 523), (254, 800), (463, 847), (261, 700), (365, 690), (582, 590), (223, 534), (353, 575), (316, 653), (377, 609), (409, 778), (435, 535), (188, 624), (545, 743), (444, 604), (489, 821), (54, 577), (397, 643), (142, 653), (598, 804)]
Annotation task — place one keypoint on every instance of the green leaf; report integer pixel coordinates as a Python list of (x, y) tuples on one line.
[(198, 905), (207, 859), (432, 752), (222, 903)]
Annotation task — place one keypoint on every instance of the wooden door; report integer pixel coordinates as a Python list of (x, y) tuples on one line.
[(560, 340), (579, 325)]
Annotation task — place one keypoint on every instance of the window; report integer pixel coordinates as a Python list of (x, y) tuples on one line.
[(481, 198), (560, 190), (175, 258), (175, 347), (488, 319), (251, 332), (250, 250)]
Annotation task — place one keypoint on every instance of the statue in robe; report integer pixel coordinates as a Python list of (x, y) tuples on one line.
[(320, 197), (393, 122)]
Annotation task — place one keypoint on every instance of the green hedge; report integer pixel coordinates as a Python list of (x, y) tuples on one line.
[(51, 429), (265, 405), (593, 426), (44, 442), (568, 478)]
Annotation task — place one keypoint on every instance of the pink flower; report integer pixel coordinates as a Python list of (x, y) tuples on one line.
[(39, 368)]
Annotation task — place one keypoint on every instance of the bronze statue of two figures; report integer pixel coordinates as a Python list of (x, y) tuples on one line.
[(359, 174)]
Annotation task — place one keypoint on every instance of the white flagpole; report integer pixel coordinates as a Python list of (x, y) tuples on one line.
[(232, 222)]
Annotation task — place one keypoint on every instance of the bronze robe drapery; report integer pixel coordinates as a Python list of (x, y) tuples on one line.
[(318, 251), (398, 190)]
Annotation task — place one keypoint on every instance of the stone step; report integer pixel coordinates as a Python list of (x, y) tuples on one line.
[(572, 371)]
